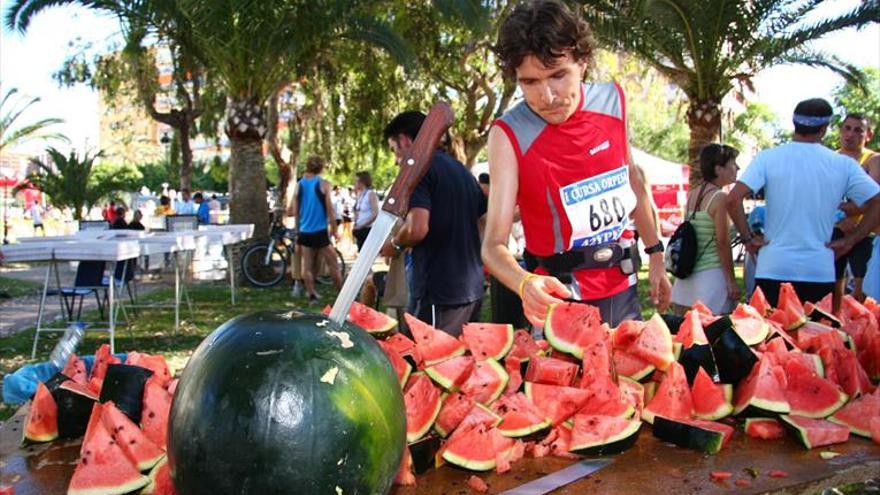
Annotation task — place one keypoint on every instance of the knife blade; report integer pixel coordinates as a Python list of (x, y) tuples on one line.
[(415, 164), (553, 481)]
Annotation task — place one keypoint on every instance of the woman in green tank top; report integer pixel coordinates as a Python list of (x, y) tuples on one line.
[(712, 281)]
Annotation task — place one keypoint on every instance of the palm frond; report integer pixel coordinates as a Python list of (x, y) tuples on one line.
[(380, 34), (470, 13)]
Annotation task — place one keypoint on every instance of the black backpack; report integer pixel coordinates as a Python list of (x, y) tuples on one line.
[(681, 252)]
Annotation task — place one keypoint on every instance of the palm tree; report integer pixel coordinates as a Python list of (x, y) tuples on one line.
[(12, 135), (709, 48), (253, 48), (70, 181)]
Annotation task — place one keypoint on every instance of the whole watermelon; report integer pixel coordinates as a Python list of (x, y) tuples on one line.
[(286, 403)]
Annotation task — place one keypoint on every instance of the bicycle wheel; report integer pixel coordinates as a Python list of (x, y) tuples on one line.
[(261, 271), (324, 272)]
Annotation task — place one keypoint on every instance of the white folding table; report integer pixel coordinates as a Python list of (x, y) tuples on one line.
[(228, 235), (53, 250)]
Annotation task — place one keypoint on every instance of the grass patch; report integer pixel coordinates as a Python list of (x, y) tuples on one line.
[(14, 287)]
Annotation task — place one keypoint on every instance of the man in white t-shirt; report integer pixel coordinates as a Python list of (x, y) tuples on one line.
[(36, 214), (804, 183), (184, 205)]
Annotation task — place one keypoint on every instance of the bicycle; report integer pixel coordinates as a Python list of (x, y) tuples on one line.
[(265, 264)]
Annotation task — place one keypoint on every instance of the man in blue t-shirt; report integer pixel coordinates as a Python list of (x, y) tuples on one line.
[(804, 182), (443, 229)]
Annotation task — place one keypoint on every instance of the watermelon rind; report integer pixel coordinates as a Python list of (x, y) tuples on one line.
[(800, 432), (689, 436), (154, 473), (479, 444), (613, 444), (536, 426), (415, 434), (830, 409), (817, 314), (753, 337)]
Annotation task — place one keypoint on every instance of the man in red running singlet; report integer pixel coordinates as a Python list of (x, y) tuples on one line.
[(562, 155)]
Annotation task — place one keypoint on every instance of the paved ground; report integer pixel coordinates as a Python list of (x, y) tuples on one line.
[(20, 313)]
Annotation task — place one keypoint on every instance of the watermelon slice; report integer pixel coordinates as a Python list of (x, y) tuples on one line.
[(454, 408), (75, 402), (154, 413), (476, 448), (555, 402), (551, 371), (569, 327), (810, 395), (605, 399), (75, 369), (487, 382), (875, 430), (41, 424), (814, 433), (633, 392), (843, 368), (630, 365), (789, 310), (405, 475), (749, 324), (525, 347), (817, 314), (857, 415), (422, 400), (760, 303), (733, 357), (691, 330), (103, 358), (711, 400), (480, 415), (764, 428), (143, 453), (104, 468), (673, 397), (519, 416), (705, 436), (695, 358), (762, 389), (153, 362), (626, 333), (432, 346), (401, 368), (597, 363), (160, 480), (94, 423), (369, 319), (400, 344), (487, 340), (601, 435), (513, 366), (452, 373), (654, 344)]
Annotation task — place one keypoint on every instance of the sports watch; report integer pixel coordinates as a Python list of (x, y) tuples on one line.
[(656, 248)]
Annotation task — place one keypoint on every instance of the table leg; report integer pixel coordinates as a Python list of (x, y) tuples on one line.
[(176, 293), (231, 270), (42, 305), (111, 310)]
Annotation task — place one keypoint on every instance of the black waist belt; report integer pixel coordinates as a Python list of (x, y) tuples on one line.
[(601, 256)]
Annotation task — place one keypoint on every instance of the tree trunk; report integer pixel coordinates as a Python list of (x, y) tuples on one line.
[(246, 127), (704, 121), (186, 155)]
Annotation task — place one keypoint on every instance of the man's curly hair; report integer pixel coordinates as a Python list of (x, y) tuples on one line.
[(547, 29)]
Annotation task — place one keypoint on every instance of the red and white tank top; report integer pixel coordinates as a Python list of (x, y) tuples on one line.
[(574, 187)]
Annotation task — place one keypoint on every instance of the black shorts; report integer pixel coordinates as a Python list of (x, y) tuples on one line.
[(314, 240), (806, 291), (857, 257), (360, 235), (449, 318)]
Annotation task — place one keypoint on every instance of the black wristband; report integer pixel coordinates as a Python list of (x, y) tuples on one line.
[(656, 248)]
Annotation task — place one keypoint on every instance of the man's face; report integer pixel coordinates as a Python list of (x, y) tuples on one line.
[(854, 133), (400, 145), (186, 195), (551, 92)]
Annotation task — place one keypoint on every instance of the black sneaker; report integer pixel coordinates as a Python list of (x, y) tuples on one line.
[(313, 298)]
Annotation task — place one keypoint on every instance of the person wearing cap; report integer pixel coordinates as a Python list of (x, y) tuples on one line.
[(804, 183)]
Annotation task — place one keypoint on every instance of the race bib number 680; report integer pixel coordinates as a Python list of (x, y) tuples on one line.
[(598, 208)]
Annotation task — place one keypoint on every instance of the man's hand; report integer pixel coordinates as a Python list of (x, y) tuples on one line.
[(841, 246), (847, 225), (538, 293), (755, 244), (733, 290), (388, 250), (849, 208), (661, 289)]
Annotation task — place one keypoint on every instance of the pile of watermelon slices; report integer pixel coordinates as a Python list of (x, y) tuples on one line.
[(494, 395), (121, 413)]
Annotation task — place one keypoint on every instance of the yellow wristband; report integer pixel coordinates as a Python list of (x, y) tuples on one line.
[(522, 283)]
